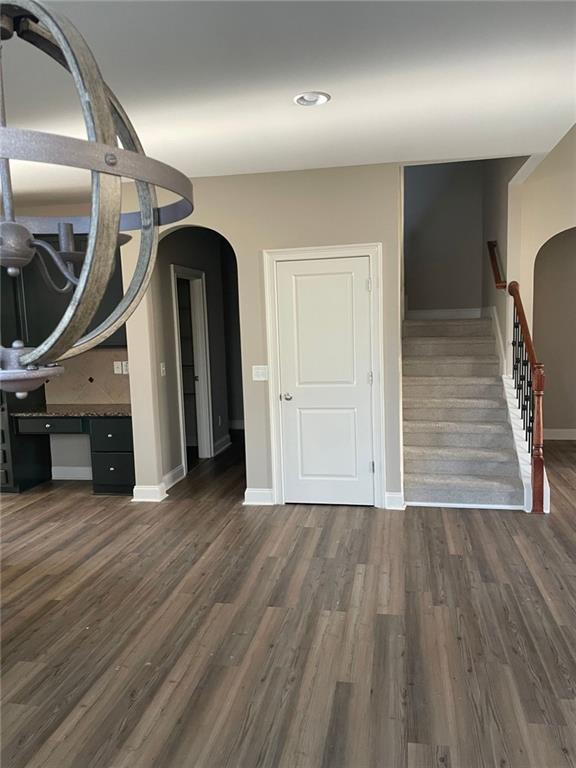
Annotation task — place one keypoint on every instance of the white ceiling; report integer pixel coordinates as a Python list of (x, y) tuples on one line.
[(209, 86)]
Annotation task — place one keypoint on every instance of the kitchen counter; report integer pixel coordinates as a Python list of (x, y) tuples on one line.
[(78, 410)]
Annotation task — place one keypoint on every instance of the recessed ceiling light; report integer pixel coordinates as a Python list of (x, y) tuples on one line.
[(312, 98)]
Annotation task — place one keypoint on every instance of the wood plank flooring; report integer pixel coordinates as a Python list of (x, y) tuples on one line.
[(198, 633)]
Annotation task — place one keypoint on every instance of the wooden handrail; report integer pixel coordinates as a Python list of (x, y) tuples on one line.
[(495, 262), (538, 379), (514, 291)]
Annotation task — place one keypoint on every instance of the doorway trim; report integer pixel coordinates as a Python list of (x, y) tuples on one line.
[(271, 258), (200, 341)]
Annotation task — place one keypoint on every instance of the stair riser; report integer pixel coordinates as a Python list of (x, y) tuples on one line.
[(478, 328), (454, 400), (419, 346), (454, 468), (458, 440), (453, 368), (484, 498), (454, 414), (446, 390)]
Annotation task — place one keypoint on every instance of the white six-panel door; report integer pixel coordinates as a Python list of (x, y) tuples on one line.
[(325, 380)]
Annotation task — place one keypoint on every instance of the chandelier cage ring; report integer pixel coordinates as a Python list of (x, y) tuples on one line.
[(106, 123)]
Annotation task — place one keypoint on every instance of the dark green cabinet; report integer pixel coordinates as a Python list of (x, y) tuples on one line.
[(44, 307), (25, 448), (112, 455), (25, 460)]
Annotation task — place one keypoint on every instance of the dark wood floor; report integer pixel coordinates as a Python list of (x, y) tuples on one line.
[(202, 634)]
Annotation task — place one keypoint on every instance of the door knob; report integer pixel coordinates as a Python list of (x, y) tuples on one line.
[(287, 396)]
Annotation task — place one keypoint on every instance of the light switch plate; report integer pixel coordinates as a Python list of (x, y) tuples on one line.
[(259, 373), (162, 369), (117, 366), (125, 367)]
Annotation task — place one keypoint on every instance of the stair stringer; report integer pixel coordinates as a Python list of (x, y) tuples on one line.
[(521, 447)]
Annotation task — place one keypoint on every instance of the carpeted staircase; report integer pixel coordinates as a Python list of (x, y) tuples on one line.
[(458, 443)]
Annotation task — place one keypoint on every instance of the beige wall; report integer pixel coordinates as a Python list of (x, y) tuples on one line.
[(555, 327), (542, 205), (443, 235), (526, 202), (232, 336), (497, 175), (254, 213)]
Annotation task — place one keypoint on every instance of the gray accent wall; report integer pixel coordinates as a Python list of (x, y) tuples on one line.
[(443, 236), (195, 248)]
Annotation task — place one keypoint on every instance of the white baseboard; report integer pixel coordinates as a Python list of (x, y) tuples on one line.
[(151, 493), (237, 424), (71, 473), (471, 313), (173, 477), (500, 346), (155, 493), (559, 434), (458, 505), (394, 500), (221, 444), (258, 497)]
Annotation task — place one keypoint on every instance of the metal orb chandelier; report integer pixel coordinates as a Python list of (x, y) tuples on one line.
[(112, 151)]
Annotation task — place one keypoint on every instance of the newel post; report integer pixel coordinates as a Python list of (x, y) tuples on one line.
[(538, 441)]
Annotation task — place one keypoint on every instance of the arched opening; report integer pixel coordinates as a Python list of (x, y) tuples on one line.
[(198, 271), (555, 330)]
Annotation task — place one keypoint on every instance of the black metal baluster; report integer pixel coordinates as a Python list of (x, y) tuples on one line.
[(529, 404), (528, 376), (531, 419), (515, 362), (522, 372), (522, 375)]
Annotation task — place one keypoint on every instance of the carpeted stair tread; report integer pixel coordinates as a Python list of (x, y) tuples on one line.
[(465, 489), (478, 454), (456, 402), (456, 426), (458, 442)]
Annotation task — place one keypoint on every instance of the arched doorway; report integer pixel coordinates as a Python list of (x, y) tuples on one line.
[(198, 270), (555, 330)]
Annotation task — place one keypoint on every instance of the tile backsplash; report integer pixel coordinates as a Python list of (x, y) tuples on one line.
[(90, 378)]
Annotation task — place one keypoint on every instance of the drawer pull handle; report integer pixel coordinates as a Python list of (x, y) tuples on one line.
[(109, 435), (48, 426), (111, 469)]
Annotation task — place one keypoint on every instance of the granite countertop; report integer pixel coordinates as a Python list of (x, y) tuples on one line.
[(78, 409)]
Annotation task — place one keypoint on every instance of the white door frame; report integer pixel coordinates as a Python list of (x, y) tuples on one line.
[(271, 258), (200, 340)]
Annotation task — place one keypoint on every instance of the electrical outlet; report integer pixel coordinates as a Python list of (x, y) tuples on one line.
[(125, 367), (117, 366), (162, 369)]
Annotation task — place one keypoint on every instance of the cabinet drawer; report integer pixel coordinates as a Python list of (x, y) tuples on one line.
[(112, 469), (111, 434), (49, 426)]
